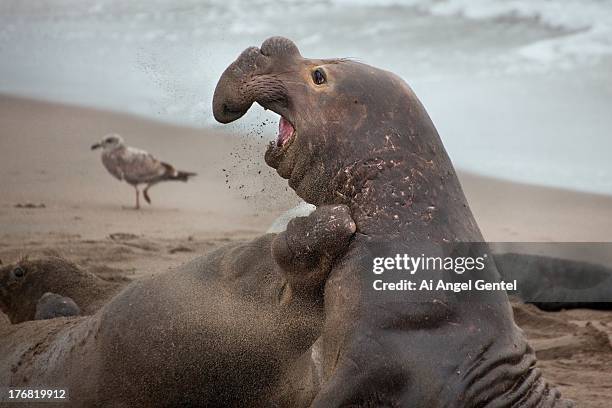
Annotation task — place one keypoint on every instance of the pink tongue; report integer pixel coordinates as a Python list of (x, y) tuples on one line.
[(285, 130)]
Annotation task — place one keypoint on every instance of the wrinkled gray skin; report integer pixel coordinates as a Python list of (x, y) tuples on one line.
[(363, 139), (52, 305), (218, 332)]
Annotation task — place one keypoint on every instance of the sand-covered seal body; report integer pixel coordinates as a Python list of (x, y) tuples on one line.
[(226, 326), (220, 331), (24, 283), (356, 135)]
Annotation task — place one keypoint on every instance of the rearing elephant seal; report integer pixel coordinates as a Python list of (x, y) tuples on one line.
[(356, 135)]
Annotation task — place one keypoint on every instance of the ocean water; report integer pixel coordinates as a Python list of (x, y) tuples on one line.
[(519, 89)]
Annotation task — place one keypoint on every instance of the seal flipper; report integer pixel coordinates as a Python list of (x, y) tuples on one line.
[(306, 251)]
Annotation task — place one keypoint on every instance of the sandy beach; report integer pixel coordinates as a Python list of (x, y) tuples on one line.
[(56, 198)]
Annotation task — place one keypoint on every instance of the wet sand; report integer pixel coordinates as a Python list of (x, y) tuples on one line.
[(74, 208)]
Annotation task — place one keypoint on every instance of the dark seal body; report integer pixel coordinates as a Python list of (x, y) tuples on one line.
[(553, 284), (360, 137)]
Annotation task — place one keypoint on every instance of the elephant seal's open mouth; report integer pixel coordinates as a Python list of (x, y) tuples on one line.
[(277, 155), (285, 132)]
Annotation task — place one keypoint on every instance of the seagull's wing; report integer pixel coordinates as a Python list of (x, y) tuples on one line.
[(140, 166), (112, 162)]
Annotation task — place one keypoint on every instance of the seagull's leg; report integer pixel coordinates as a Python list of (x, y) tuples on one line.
[(137, 197), (145, 193)]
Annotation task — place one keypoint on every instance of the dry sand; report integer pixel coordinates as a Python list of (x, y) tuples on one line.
[(45, 160)]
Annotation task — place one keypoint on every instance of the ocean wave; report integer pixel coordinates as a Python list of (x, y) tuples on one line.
[(585, 26)]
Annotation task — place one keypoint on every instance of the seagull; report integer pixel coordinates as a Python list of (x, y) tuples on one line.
[(136, 166)]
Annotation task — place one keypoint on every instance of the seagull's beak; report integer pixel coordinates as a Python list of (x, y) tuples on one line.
[(96, 146)]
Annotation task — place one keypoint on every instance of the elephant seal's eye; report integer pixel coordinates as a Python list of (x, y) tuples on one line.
[(18, 272), (318, 77)]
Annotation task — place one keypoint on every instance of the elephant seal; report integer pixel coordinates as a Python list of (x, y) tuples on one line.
[(356, 135), (219, 331), (554, 284), (51, 305), (24, 283)]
